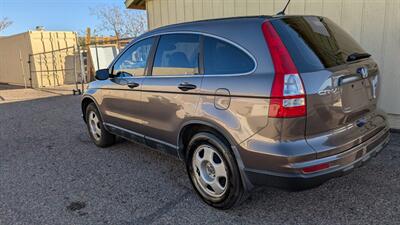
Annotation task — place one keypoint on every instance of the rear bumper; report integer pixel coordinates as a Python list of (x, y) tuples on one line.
[(339, 164)]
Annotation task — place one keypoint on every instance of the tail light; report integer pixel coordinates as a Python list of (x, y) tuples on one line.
[(287, 94)]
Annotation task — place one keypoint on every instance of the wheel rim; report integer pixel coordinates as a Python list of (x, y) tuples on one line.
[(94, 124), (210, 171)]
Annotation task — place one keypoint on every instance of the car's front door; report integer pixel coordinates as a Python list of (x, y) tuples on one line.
[(170, 93), (121, 104)]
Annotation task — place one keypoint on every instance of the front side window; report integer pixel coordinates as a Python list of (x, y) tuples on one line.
[(177, 54), (133, 61), (221, 57)]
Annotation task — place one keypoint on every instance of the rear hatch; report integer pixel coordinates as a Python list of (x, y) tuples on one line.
[(340, 80)]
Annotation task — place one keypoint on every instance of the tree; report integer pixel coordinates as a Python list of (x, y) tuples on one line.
[(4, 23), (120, 21)]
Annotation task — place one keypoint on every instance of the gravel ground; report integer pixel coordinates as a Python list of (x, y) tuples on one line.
[(50, 173)]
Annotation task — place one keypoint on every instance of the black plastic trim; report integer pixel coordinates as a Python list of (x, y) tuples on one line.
[(142, 139)]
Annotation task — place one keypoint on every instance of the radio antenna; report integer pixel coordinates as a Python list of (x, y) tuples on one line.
[(282, 13)]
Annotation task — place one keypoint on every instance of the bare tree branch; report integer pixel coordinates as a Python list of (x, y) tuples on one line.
[(137, 24), (4, 23), (120, 21)]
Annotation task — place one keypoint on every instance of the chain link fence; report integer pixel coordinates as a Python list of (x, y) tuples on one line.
[(74, 66)]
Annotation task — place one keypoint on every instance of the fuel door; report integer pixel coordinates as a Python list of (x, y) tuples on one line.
[(222, 99)]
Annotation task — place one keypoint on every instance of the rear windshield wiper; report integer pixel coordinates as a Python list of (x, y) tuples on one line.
[(356, 56)]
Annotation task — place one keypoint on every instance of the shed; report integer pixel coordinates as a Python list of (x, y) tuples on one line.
[(49, 49)]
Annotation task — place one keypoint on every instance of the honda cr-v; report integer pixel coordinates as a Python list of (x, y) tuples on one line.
[(286, 101)]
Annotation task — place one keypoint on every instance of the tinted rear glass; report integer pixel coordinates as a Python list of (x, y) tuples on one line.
[(177, 54), (221, 57), (315, 43)]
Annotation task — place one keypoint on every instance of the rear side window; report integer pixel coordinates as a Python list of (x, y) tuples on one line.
[(223, 58), (177, 54), (315, 43)]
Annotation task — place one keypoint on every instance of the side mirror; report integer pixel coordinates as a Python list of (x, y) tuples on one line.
[(102, 74)]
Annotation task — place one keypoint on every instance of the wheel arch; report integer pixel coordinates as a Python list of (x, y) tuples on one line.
[(86, 100), (188, 129)]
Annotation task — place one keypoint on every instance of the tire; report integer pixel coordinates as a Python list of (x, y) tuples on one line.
[(99, 135), (207, 159)]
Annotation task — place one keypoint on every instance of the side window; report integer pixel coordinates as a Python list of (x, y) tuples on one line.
[(133, 61), (221, 57), (177, 54)]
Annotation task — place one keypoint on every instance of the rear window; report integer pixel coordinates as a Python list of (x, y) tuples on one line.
[(315, 43), (221, 57)]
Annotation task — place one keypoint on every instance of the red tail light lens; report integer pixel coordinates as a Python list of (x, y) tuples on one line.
[(287, 95)]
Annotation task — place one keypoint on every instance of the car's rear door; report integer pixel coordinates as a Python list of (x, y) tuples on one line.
[(170, 93), (340, 81)]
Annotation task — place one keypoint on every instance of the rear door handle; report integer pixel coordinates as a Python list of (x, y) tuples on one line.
[(133, 84), (186, 86)]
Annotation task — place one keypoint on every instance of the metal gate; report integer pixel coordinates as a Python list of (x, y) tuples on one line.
[(52, 69), (73, 65)]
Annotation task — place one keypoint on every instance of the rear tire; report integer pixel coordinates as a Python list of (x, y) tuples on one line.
[(213, 171), (99, 135)]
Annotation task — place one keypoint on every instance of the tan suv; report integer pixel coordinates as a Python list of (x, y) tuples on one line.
[(287, 101)]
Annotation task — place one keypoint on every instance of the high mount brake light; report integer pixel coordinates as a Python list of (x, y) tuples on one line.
[(287, 94)]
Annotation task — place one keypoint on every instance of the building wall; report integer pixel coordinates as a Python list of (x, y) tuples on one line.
[(52, 58), (14, 51), (14, 57), (373, 23)]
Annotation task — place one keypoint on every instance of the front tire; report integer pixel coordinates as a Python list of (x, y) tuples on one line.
[(213, 171), (99, 135)]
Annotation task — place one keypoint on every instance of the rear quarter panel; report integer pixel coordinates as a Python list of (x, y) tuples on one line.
[(247, 93)]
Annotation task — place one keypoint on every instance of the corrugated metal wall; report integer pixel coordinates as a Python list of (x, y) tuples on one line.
[(373, 23), (14, 70), (53, 68)]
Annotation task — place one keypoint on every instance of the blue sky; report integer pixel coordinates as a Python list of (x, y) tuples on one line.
[(69, 15)]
